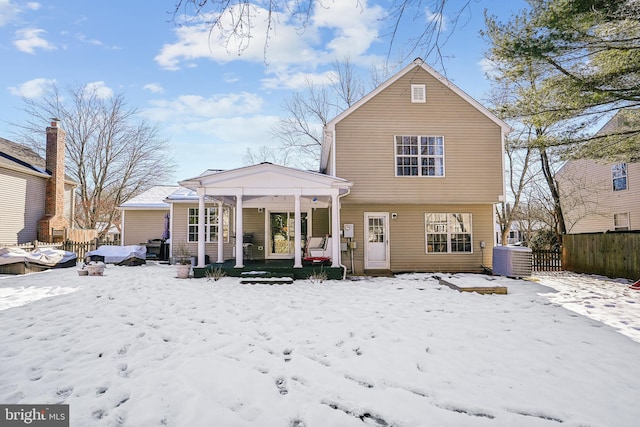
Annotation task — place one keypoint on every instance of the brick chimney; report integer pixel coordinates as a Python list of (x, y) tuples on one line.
[(54, 218)]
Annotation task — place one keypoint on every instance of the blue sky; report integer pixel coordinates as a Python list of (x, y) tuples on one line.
[(211, 103)]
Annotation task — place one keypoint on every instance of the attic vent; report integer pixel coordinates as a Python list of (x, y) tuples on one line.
[(418, 93)]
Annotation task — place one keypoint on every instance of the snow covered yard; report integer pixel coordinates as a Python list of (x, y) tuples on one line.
[(139, 347)]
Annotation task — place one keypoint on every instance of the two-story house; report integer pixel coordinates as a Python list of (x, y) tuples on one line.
[(600, 196), (408, 180), (37, 198)]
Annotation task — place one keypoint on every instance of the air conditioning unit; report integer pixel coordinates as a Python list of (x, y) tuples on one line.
[(512, 261)]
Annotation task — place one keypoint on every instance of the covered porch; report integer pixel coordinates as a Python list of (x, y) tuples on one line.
[(272, 209)]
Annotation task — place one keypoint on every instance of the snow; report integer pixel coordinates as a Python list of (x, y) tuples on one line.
[(139, 347)]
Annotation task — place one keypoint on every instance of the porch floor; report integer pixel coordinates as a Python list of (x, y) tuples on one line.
[(275, 267)]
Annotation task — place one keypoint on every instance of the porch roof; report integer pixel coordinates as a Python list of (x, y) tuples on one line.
[(267, 179)]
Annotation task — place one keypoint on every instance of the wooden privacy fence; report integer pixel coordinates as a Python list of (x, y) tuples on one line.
[(81, 248), (614, 254), (546, 260)]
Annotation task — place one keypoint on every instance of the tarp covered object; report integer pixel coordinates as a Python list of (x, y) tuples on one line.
[(119, 254), (46, 256)]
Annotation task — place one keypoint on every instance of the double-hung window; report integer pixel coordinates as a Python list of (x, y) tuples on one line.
[(620, 221), (619, 176), (418, 155), (448, 232), (210, 224)]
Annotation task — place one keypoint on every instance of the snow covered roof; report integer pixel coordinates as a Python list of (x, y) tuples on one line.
[(153, 198)]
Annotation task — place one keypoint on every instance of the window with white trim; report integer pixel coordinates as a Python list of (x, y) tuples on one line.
[(418, 155), (210, 224), (619, 176), (419, 93), (621, 221), (448, 232)]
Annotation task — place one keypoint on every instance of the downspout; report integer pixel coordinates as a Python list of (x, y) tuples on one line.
[(344, 267)]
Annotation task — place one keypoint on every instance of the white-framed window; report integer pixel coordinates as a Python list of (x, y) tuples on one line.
[(621, 221), (419, 94), (419, 155), (619, 176), (448, 233), (210, 224)]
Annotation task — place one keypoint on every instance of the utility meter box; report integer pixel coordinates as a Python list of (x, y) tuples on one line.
[(348, 231)]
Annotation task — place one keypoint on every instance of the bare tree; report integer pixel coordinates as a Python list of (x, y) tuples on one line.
[(233, 21), (268, 154), (519, 176), (309, 110), (111, 151)]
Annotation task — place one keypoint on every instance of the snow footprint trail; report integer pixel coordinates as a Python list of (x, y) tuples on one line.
[(602, 299), (142, 348)]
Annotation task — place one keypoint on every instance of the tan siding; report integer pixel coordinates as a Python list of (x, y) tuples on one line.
[(21, 206), (141, 226), (253, 222), (320, 223), (473, 147), (589, 201), (407, 238)]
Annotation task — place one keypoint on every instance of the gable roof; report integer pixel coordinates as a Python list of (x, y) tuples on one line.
[(265, 179), (417, 63), (21, 158), (154, 198)]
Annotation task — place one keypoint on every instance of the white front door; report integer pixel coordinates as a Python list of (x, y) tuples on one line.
[(376, 250)]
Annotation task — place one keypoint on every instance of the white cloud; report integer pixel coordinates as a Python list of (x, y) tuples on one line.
[(488, 67), (100, 89), (28, 40), (33, 5), (197, 41), (154, 88), (355, 24), (8, 11), (187, 109), (33, 88), (84, 39), (298, 80), (343, 29), (438, 20)]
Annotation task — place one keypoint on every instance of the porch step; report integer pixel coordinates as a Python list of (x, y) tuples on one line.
[(264, 277)]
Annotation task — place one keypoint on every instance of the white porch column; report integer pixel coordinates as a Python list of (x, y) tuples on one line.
[(297, 234), (239, 232), (220, 234), (201, 227), (335, 231)]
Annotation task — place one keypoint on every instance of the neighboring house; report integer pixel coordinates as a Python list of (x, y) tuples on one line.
[(515, 237), (143, 216), (598, 196), (37, 198), (409, 178)]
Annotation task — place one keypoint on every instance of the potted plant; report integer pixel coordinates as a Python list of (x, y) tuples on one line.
[(182, 259)]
